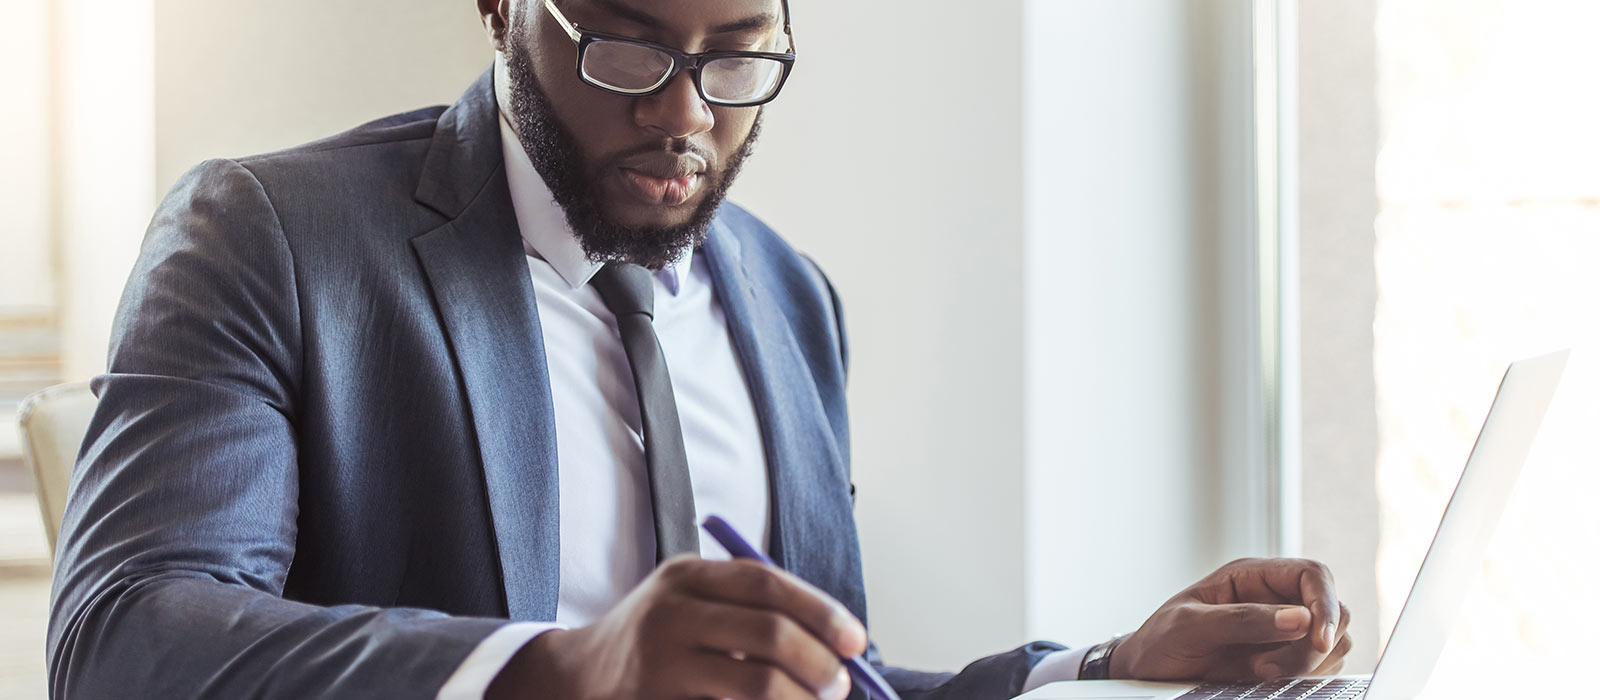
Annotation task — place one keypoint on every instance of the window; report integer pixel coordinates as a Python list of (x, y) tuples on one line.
[(1450, 223)]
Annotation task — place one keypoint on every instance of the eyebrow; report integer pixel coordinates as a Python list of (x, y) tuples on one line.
[(645, 19)]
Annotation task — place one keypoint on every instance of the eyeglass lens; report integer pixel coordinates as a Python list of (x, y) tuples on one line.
[(634, 69)]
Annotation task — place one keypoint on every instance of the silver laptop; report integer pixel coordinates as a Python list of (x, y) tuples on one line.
[(1441, 587)]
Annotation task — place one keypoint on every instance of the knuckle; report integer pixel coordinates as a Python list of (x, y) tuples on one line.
[(764, 684), (1316, 567), (763, 584), (769, 631), (1186, 614), (677, 570), (1241, 616), (662, 615)]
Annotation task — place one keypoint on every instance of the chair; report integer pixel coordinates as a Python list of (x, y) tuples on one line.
[(53, 422)]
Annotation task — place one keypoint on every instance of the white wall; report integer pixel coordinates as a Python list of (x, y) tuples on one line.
[(105, 125), (1140, 379), (1339, 203), (236, 78), (28, 284)]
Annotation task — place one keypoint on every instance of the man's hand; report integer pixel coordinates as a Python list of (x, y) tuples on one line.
[(697, 629), (1253, 619)]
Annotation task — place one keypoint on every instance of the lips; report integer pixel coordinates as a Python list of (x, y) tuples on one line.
[(662, 178), (670, 192)]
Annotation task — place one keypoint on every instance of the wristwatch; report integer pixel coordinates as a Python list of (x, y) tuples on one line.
[(1096, 664)]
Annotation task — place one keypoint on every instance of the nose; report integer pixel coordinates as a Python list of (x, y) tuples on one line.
[(676, 112)]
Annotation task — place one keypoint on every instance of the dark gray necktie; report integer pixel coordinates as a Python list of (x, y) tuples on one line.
[(630, 294)]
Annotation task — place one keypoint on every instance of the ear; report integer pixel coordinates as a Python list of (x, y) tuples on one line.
[(496, 16)]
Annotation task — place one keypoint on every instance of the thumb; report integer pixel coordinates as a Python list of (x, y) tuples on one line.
[(1249, 623)]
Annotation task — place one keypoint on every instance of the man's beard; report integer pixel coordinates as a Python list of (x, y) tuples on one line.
[(573, 182)]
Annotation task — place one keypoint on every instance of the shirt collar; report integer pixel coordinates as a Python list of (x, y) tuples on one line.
[(546, 234)]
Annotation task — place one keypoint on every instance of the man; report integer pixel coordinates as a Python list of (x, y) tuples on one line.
[(374, 398)]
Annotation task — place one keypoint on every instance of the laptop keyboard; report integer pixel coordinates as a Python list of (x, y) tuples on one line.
[(1284, 689)]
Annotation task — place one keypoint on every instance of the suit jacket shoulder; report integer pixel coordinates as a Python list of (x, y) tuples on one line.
[(793, 275)]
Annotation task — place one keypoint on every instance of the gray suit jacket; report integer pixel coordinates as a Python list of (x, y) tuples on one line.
[(323, 462)]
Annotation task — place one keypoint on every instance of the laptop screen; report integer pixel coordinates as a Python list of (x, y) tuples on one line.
[(1454, 558)]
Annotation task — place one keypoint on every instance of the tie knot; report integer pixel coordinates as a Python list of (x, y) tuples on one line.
[(626, 289)]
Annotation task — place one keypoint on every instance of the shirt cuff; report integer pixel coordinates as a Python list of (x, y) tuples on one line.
[(472, 678), (1057, 666)]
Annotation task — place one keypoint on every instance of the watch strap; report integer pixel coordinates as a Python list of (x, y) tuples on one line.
[(1096, 664)]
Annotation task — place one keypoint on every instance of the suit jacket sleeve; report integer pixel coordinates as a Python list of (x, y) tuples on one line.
[(181, 521), (990, 678)]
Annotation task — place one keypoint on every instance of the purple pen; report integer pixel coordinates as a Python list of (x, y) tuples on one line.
[(859, 669)]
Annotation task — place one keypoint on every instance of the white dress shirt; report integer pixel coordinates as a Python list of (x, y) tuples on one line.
[(607, 532)]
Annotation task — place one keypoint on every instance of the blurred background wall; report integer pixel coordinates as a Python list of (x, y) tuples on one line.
[(235, 78)]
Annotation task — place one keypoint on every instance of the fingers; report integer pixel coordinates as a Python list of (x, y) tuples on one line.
[(721, 676), (755, 585), (1210, 626), (1301, 658), (1316, 592), (1334, 663), (1284, 581), (770, 638), (1344, 619), (1261, 618)]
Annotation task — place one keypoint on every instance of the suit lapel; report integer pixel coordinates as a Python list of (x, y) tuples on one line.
[(475, 266), (814, 533)]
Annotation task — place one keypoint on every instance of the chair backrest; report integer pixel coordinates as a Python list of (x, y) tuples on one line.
[(53, 423)]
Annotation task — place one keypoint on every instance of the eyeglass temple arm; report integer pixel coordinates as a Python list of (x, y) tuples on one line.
[(785, 25), (571, 29)]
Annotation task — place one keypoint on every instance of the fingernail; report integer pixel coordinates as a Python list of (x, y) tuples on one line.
[(1269, 670), (851, 634), (839, 688), (1291, 619), (1327, 634)]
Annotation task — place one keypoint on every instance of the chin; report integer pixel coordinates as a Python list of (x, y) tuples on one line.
[(636, 216)]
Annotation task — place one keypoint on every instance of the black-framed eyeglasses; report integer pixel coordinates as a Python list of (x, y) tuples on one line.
[(638, 68)]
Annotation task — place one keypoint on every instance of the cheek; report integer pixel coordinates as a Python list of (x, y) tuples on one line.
[(588, 114), (553, 54), (594, 117), (598, 121), (732, 126)]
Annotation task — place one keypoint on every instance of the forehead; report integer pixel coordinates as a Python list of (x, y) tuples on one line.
[(686, 16)]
